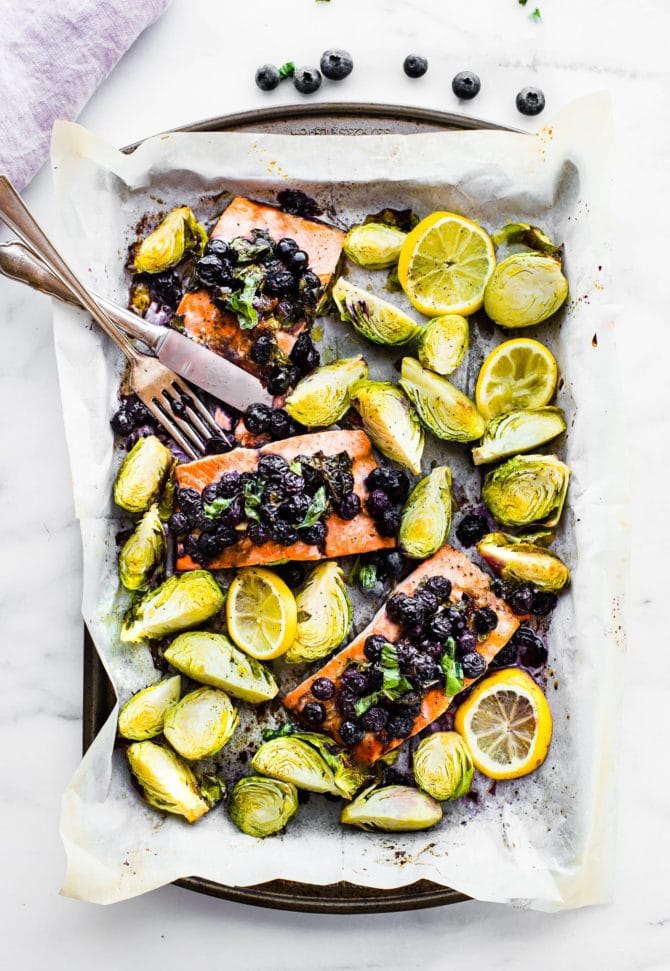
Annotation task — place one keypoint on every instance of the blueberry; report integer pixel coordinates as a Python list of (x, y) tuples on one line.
[(257, 418), (272, 464), (456, 619), (219, 443), (394, 606), (466, 85), (209, 545), (408, 704), (531, 649), (521, 599), (294, 509), (299, 261), (228, 485), (505, 657), (303, 353), (411, 612), (373, 647), (209, 494), (415, 66), (188, 501), (473, 664), (407, 654), (397, 484), (394, 777), (292, 483), (282, 425), (484, 620), (323, 689), (314, 713), (440, 626), (280, 380), (428, 600), (471, 529), (400, 726), (122, 422), (292, 574), (191, 549), (263, 348), (543, 603), (226, 535), (307, 80), (377, 503), (351, 733), (217, 247), (279, 284), (336, 64), (432, 648), (394, 564), (267, 77), (234, 514), (285, 248), (530, 101), (178, 523), (440, 586), (212, 271), (283, 533), (467, 642), (388, 523), (349, 506), (355, 681), (258, 533), (311, 281), (314, 535), (427, 671), (346, 703), (375, 719)]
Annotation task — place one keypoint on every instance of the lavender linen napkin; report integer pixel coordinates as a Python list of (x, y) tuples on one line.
[(53, 55)]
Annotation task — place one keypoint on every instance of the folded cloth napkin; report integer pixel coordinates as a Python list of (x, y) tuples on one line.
[(53, 55)]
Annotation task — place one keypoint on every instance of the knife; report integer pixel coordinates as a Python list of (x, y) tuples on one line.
[(194, 362)]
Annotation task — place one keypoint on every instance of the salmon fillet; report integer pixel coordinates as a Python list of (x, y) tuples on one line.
[(465, 578), (345, 537)]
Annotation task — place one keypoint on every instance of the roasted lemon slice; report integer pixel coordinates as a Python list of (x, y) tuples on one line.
[(445, 264), (507, 725), (261, 613), (518, 374)]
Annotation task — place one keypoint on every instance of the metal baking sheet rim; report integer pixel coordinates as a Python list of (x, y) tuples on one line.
[(339, 898)]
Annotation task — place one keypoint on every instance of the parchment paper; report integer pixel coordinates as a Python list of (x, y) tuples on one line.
[(544, 841)]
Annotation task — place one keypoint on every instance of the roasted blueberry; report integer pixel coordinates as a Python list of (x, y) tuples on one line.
[(394, 606), (394, 564), (543, 603), (415, 66), (314, 713), (351, 733), (473, 664), (263, 348), (209, 545), (281, 378), (374, 719), (531, 649), (427, 671), (292, 483), (226, 535), (407, 654), (408, 704), (228, 485), (466, 85), (377, 503), (373, 647), (307, 80), (323, 689), (505, 657), (212, 271), (314, 535), (484, 620), (285, 248), (336, 64), (234, 514), (471, 529), (388, 523), (440, 626), (349, 506), (283, 533), (428, 600), (282, 425), (258, 533), (304, 355), (355, 681), (400, 726), (178, 523), (267, 77), (457, 620), (294, 509), (257, 418), (217, 247), (190, 548), (394, 482), (272, 465), (467, 642), (530, 101), (188, 501), (209, 494), (521, 599), (122, 422), (292, 574), (279, 284), (412, 612), (346, 702), (440, 586), (432, 648), (220, 443)]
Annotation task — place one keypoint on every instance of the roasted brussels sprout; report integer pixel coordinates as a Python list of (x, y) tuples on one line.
[(426, 516), (443, 766), (392, 809), (443, 409), (212, 659), (322, 397), (201, 723), (310, 761), (524, 290), (523, 234), (143, 715), (178, 233), (374, 318), (183, 600), (168, 783), (443, 343), (143, 551), (527, 489), (324, 615), (519, 560), (390, 421), (375, 246), (260, 806), (142, 473), (518, 431)]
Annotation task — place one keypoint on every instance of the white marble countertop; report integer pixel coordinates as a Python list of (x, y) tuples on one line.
[(198, 61)]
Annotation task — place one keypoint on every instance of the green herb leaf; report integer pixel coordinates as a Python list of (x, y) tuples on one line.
[(296, 467), (453, 672), (286, 729), (241, 302), (394, 684), (522, 3), (536, 15), (317, 508), (287, 70), (216, 508), (253, 490)]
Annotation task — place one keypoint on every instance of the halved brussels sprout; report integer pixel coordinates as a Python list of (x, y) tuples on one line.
[(180, 231), (443, 343), (518, 431), (390, 421), (524, 290), (183, 600), (201, 723), (374, 318), (324, 615), (212, 659), (375, 246), (523, 234), (260, 806), (167, 782), (443, 766), (395, 809), (143, 715), (141, 475), (426, 516), (443, 409), (143, 551), (322, 397), (310, 761), (515, 558), (527, 489)]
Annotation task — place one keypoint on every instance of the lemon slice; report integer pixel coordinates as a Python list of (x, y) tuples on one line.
[(261, 613), (518, 374), (507, 725), (445, 264)]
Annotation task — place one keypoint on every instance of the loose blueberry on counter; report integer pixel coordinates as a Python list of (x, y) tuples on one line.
[(314, 713), (351, 732), (122, 422), (532, 652), (473, 664), (394, 564), (440, 586), (466, 85), (471, 529), (530, 101), (375, 719), (257, 418), (415, 66), (267, 77), (307, 80), (543, 603), (484, 620), (323, 689), (336, 64), (292, 574), (521, 599)]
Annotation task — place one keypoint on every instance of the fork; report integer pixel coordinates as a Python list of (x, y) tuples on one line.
[(172, 402)]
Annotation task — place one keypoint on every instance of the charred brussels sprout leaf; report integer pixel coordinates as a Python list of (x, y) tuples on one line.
[(426, 516), (310, 761), (183, 600), (260, 806), (522, 561), (167, 782), (322, 397), (143, 715), (443, 343), (390, 421), (178, 234), (443, 409), (143, 552), (443, 766), (324, 615), (142, 473), (518, 431), (392, 809), (524, 290), (374, 318), (212, 659), (201, 723), (375, 246), (527, 489)]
